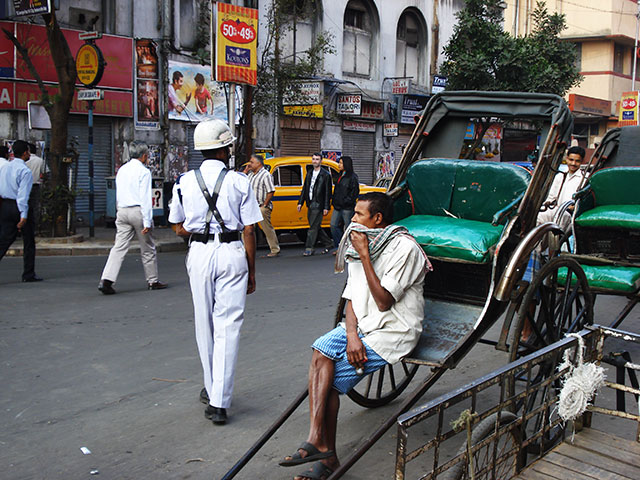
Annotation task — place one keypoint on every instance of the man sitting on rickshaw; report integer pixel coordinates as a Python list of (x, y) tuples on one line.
[(383, 322)]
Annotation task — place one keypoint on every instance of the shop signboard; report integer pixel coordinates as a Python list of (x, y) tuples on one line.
[(236, 41), (6, 95), (31, 7), (115, 103), (372, 110), (412, 105), (390, 130), (312, 111), (628, 109), (349, 104), (358, 126), (304, 93), (439, 84), (400, 86), (7, 51), (592, 106), (117, 53)]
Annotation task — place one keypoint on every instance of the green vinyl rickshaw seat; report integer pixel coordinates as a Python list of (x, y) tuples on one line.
[(616, 199), (453, 204), (607, 277)]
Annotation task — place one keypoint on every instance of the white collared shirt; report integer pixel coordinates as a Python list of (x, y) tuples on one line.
[(561, 191), (133, 188), (401, 269), (37, 166), (236, 201)]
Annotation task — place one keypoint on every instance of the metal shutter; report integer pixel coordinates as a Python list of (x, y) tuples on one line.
[(396, 146), (299, 142), (102, 162), (360, 147), (194, 156)]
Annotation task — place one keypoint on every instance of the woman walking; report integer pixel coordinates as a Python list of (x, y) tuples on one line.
[(345, 195)]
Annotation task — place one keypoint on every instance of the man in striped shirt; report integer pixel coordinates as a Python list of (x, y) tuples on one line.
[(262, 184)]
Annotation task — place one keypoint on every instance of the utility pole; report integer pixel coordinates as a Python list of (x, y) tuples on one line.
[(635, 51)]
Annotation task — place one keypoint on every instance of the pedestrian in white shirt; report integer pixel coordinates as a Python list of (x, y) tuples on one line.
[(564, 185), (134, 217)]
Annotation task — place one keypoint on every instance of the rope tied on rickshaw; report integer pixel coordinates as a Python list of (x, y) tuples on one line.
[(378, 240), (580, 383)]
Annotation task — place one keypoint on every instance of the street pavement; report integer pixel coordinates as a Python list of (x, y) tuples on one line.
[(120, 374)]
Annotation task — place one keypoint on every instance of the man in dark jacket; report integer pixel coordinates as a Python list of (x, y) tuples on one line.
[(316, 193), (345, 195)]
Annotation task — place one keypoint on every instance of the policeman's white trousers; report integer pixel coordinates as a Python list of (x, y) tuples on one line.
[(218, 274), (128, 224)]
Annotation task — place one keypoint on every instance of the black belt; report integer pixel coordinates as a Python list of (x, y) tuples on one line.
[(224, 237)]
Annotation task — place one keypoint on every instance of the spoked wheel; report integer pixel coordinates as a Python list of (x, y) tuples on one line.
[(484, 461), (383, 386), (558, 301)]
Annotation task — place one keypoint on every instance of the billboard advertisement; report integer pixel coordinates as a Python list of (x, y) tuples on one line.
[(236, 41), (192, 96)]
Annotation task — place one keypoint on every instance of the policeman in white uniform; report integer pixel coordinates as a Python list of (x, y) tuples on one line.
[(221, 269)]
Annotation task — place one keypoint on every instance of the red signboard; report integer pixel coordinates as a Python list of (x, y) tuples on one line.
[(117, 52), (7, 51), (115, 104), (6, 96)]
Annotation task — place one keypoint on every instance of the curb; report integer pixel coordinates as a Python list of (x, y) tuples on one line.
[(78, 249)]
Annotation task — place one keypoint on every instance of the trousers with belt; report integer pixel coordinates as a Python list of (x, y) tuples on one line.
[(218, 275), (129, 223)]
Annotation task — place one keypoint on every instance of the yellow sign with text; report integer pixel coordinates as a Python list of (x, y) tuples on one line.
[(312, 111), (236, 42), (89, 64)]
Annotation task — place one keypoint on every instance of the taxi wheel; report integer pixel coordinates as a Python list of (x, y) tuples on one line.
[(383, 386)]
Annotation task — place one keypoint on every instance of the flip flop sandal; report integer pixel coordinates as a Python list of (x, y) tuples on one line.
[(312, 454), (318, 471)]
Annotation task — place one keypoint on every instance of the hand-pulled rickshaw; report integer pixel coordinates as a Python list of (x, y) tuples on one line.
[(476, 220)]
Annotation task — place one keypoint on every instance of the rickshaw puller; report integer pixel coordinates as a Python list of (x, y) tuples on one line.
[(383, 322)]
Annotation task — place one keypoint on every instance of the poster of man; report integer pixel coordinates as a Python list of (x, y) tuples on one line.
[(192, 96), (148, 101)]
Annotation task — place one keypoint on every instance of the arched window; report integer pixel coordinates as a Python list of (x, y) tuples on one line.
[(411, 42), (359, 38), (297, 37)]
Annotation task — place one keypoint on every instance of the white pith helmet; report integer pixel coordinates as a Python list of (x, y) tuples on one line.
[(212, 134)]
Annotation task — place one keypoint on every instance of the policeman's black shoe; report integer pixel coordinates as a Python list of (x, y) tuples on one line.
[(106, 287), (35, 278), (217, 415), (156, 286), (204, 396)]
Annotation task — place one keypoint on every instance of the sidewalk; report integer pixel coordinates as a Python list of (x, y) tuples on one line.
[(100, 244)]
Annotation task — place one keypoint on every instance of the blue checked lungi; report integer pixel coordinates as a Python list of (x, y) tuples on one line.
[(333, 345)]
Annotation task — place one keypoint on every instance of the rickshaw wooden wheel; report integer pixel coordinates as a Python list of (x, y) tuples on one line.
[(383, 386), (506, 467), (553, 309)]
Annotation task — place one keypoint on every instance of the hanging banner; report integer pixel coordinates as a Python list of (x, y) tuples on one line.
[(147, 113), (236, 41), (192, 96), (628, 109)]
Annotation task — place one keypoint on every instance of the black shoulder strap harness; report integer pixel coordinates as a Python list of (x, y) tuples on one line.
[(212, 200)]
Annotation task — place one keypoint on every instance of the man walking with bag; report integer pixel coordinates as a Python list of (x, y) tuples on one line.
[(217, 209)]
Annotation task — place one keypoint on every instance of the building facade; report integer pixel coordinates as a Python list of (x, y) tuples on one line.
[(386, 55), (604, 34)]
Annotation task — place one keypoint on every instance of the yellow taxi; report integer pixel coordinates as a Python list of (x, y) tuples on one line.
[(288, 176)]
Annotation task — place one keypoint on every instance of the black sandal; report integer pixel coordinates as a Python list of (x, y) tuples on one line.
[(317, 471), (312, 454)]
